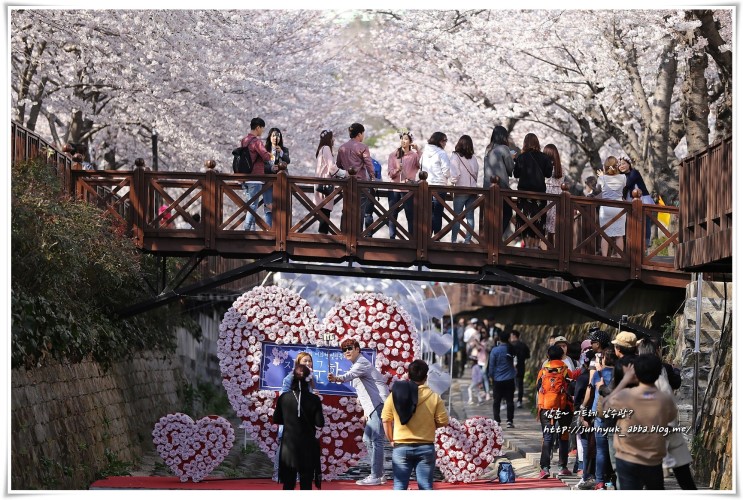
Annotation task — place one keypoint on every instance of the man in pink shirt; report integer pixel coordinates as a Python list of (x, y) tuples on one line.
[(259, 155), (355, 154)]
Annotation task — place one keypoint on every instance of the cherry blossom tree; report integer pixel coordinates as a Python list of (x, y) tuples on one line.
[(648, 84)]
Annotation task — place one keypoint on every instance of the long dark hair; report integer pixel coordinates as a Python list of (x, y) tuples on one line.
[(464, 147), (326, 139), (436, 139), (268, 139), (551, 151), (400, 151), (531, 142), (499, 136)]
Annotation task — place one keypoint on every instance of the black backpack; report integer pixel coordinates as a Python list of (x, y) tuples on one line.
[(242, 161)]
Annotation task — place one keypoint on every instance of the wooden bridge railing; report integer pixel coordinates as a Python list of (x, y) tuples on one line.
[(208, 211), (706, 201)]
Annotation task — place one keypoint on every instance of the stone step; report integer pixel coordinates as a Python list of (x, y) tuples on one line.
[(711, 289)]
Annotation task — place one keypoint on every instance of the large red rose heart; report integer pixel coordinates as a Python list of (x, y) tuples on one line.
[(278, 315), (465, 449), (192, 449)]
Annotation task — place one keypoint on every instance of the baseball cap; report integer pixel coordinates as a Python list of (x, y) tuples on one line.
[(561, 338), (625, 339), (586, 344)]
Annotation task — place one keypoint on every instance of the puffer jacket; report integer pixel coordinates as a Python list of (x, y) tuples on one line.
[(435, 161)]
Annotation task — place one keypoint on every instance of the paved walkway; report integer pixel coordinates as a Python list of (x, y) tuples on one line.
[(522, 445)]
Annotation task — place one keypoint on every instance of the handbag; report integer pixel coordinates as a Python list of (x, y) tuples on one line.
[(326, 189)]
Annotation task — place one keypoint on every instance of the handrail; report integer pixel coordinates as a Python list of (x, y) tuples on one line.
[(204, 212)]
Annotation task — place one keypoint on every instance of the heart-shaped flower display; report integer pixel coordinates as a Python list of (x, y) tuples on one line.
[(192, 449), (250, 362), (465, 449)]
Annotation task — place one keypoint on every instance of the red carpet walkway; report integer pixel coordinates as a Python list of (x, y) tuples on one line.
[(172, 483)]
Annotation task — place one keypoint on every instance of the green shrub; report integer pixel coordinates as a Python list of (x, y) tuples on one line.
[(72, 268)]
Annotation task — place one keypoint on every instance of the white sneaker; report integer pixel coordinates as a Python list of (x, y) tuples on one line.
[(371, 481)]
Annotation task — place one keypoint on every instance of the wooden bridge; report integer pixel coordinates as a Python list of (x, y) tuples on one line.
[(204, 213)]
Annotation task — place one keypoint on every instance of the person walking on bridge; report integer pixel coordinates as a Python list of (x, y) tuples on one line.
[(259, 156)]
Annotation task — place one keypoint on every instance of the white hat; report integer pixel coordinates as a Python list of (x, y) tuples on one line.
[(473, 320)]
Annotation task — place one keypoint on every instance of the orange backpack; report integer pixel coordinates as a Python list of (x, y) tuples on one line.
[(553, 390)]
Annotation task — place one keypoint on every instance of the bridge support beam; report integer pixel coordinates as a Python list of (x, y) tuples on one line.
[(489, 275)]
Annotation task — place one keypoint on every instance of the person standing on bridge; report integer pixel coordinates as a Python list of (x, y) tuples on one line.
[(464, 170), (612, 185), (355, 154), (403, 166), (531, 169), (554, 186), (326, 168), (259, 155), (435, 161), (279, 155), (498, 162)]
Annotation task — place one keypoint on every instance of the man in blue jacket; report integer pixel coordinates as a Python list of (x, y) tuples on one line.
[(503, 373)]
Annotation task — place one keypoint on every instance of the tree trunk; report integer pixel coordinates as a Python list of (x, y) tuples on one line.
[(663, 177), (695, 101)]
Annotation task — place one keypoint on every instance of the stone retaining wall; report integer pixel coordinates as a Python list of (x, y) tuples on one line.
[(73, 422)]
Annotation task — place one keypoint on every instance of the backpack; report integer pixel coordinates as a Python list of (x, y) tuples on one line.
[(506, 474), (242, 161), (377, 169), (553, 390)]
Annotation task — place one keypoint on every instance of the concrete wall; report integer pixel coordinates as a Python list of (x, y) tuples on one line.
[(69, 422)]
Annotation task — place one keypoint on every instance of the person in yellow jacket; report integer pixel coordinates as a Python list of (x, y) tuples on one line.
[(411, 414)]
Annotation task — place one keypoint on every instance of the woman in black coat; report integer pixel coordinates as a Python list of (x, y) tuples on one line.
[(531, 168), (300, 412)]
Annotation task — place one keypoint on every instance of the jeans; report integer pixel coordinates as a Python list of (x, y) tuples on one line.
[(405, 458), (374, 441), (635, 476), (462, 201), (588, 442), (365, 218), (548, 436), (251, 190), (437, 212), (393, 197), (602, 453), (268, 205), (503, 389)]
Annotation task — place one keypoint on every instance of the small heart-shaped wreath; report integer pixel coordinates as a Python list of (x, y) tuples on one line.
[(465, 449), (192, 449)]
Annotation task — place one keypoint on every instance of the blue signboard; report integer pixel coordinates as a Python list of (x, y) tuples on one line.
[(278, 361)]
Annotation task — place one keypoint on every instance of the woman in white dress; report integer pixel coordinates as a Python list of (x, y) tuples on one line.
[(612, 184), (554, 186)]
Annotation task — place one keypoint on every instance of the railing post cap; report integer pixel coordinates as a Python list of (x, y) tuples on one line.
[(139, 162), (495, 179), (282, 166), (352, 171), (564, 186), (210, 164), (636, 194), (423, 175)]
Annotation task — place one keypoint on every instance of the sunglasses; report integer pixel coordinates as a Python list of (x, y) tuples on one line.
[(347, 348)]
